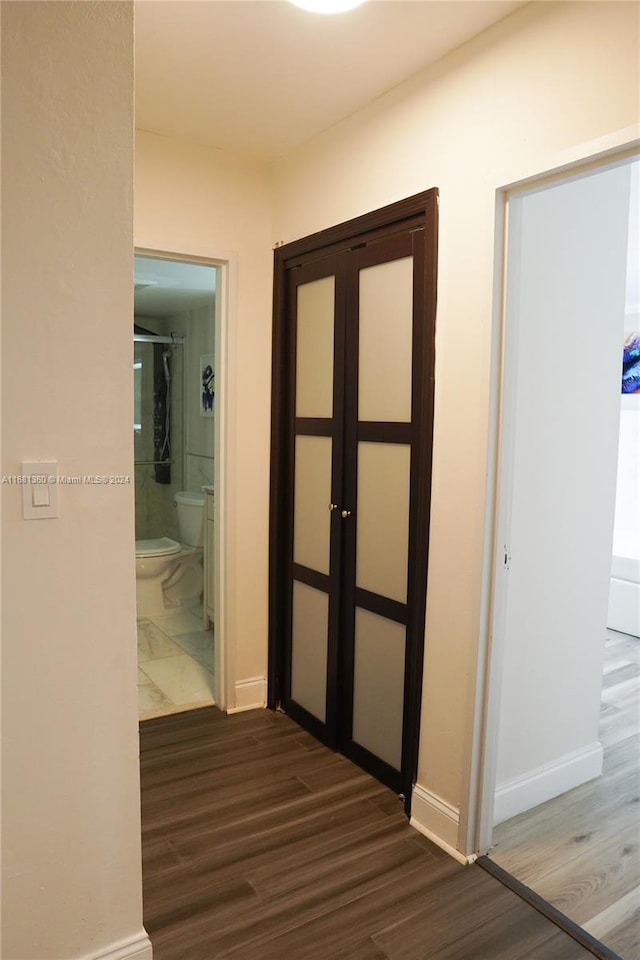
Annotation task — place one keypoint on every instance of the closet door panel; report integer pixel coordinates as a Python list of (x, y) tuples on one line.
[(379, 435), (312, 496), (385, 341), (378, 686), (383, 519), (315, 346), (314, 474), (310, 626)]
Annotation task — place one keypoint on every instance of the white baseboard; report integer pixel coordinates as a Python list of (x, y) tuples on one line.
[(250, 694), (136, 948), (438, 821), (624, 607), (546, 782)]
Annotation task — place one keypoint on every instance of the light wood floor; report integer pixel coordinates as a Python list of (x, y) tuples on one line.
[(261, 844), (581, 851)]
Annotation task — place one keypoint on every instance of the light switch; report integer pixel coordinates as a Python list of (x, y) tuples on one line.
[(40, 489), (40, 495)]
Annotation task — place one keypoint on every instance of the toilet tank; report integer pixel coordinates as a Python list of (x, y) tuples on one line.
[(190, 508)]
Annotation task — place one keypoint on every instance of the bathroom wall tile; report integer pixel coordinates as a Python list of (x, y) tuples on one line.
[(181, 679), (199, 470), (141, 505), (153, 643), (199, 646), (160, 499), (152, 701), (198, 326), (180, 621)]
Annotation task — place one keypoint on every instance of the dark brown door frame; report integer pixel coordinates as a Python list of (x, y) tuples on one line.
[(419, 212)]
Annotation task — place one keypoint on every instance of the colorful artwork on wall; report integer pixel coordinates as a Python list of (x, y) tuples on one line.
[(631, 364)]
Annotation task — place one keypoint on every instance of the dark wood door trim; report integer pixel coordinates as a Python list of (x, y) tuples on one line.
[(417, 213), (403, 214)]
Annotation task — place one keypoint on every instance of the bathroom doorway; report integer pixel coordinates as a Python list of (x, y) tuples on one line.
[(176, 315)]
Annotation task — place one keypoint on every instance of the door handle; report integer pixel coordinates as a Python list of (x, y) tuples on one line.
[(332, 507), (345, 514)]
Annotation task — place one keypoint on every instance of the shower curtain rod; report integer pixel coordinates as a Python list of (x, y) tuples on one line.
[(152, 338)]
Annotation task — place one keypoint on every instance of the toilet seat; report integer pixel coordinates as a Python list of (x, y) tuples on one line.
[(161, 547)]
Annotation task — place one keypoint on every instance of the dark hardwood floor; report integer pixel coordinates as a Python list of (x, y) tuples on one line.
[(259, 843)]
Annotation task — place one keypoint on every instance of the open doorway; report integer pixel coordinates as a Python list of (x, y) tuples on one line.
[(178, 312), (567, 779)]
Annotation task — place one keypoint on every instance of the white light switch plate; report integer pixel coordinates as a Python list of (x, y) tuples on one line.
[(40, 491)]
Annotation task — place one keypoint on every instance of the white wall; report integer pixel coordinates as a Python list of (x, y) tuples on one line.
[(566, 271), (525, 96), (203, 202), (624, 595), (198, 328), (624, 590), (71, 823), (626, 532)]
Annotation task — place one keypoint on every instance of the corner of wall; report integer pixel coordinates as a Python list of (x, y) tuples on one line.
[(136, 948), (250, 694), (437, 820)]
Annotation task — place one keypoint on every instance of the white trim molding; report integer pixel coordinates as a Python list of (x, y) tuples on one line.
[(250, 694), (624, 606), (546, 782), (136, 948), (437, 820)]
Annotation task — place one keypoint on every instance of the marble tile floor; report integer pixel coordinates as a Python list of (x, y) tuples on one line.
[(175, 664)]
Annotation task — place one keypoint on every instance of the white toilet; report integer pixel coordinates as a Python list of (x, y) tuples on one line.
[(169, 574)]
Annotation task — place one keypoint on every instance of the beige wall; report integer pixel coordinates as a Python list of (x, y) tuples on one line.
[(71, 824), (514, 101), (202, 202)]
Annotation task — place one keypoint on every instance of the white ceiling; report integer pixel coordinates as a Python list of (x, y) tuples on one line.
[(165, 288), (263, 76)]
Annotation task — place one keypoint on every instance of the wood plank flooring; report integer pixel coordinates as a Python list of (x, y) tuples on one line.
[(259, 844), (581, 851)]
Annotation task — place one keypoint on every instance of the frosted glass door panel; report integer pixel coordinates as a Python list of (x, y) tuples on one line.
[(314, 365), (383, 519), (378, 686), (385, 341), (312, 519), (309, 649)]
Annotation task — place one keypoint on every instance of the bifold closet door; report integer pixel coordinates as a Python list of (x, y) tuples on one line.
[(315, 299), (353, 389), (384, 282)]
